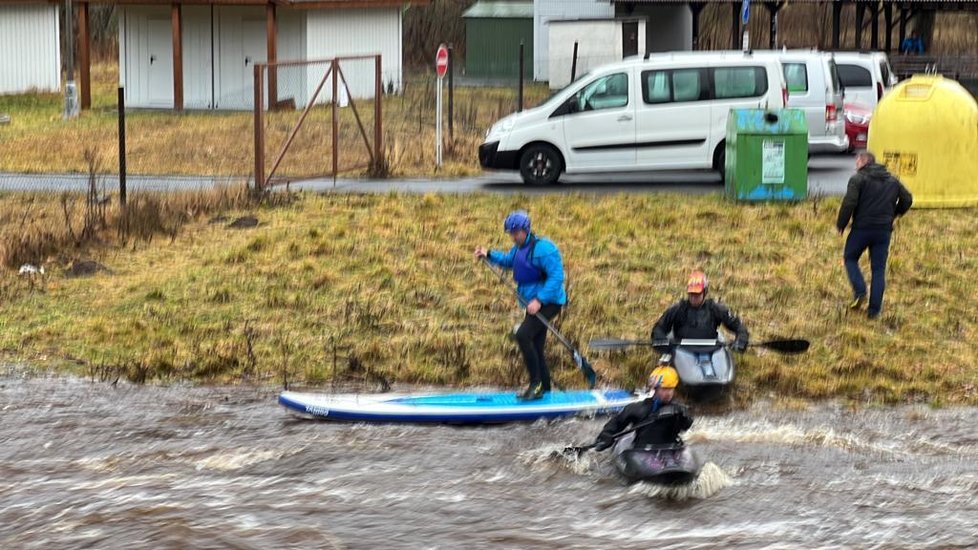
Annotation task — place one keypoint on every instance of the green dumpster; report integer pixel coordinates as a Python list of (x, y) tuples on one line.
[(766, 155)]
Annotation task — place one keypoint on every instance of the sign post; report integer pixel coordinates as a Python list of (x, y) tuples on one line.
[(441, 67), (744, 17)]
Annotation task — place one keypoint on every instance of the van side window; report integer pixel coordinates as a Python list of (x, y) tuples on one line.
[(885, 73), (608, 92), (677, 85), (796, 75), (735, 82), (854, 76)]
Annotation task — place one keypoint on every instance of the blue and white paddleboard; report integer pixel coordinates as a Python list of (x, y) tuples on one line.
[(455, 408)]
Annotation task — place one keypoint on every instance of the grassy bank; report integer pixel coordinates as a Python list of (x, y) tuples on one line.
[(222, 143), (388, 284)]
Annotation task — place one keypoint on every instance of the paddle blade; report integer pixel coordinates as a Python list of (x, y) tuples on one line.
[(589, 375), (786, 346), (614, 343)]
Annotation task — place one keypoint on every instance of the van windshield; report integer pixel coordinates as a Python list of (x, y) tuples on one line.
[(557, 92)]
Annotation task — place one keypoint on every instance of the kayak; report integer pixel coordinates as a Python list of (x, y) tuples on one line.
[(455, 408), (705, 367), (669, 464)]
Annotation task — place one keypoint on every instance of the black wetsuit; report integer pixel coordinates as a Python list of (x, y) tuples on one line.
[(686, 321), (667, 421)]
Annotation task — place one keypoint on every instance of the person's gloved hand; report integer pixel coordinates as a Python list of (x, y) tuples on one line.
[(661, 346), (739, 346), (602, 444)]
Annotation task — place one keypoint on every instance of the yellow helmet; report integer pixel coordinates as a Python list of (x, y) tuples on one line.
[(664, 377)]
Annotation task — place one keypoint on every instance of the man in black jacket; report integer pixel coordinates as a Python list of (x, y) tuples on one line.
[(873, 200), (661, 416), (697, 317)]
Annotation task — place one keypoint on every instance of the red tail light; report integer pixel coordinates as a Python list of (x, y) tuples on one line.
[(831, 114), (784, 96), (879, 90)]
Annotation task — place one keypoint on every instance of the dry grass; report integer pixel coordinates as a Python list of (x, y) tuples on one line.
[(387, 282), (222, 143)]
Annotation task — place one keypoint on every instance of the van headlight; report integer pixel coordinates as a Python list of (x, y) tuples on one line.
[(501, 127)]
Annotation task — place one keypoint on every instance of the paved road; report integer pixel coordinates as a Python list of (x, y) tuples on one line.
[(827, 175)]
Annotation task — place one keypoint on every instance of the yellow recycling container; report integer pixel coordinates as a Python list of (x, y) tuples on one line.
[(925, 131)]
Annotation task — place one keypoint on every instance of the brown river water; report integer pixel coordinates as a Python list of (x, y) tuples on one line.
[(91, 465)]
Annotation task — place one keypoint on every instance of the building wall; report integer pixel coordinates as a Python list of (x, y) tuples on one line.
[(355, 32), (492, 47), (222, 44), (670, 27), (545, 11), (30, 55), (598, 43)]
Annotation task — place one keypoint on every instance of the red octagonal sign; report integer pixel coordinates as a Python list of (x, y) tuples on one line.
[(441, 61)]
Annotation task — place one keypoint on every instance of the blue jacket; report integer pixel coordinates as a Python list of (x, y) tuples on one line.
[(546, 257)]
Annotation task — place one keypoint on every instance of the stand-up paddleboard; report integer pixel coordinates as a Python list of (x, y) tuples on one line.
[(454, 408)]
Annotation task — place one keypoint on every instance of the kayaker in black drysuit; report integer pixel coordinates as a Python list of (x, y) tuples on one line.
[(697, 317), (667, 417)]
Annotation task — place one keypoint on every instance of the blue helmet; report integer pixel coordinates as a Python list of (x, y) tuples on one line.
[(518, 219)]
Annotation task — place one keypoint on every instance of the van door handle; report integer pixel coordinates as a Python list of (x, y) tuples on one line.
[(624, 118)]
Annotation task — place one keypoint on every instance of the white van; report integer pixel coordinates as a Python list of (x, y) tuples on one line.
[(865, 76), (661, 112), (814, 87)]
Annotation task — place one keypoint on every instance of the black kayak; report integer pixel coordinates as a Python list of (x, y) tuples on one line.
[(670, 464)]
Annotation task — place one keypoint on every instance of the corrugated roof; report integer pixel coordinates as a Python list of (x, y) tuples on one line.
[(501, 10)]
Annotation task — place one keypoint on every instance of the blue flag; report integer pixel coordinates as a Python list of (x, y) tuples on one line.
[(745, 11)]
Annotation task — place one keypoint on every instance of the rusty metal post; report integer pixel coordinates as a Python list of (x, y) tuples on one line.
[(336, 125), (259, 131), (378, 113)]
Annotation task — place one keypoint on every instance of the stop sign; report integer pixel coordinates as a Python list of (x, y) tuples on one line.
[(441, 61)]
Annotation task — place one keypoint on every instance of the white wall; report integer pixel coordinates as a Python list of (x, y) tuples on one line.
[(197, 57), (146, 56), (352, 32), (545, 11), (598, 43), (30, 55)]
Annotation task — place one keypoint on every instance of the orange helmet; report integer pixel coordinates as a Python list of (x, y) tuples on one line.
[(697, 283), (664, 377)]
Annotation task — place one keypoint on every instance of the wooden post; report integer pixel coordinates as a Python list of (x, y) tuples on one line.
[(84, 57), (574, 63), (695, 8), (773, 8), (836, 22), (735, 38), (888, 22), (859, 26), (122, 146), (451, 92), (271, 34), (903, 25), (874, 36), (519, 92), (259, 132), (175, 23), (378, 113)]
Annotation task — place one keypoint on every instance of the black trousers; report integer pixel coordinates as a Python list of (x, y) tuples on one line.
[(531, 337)]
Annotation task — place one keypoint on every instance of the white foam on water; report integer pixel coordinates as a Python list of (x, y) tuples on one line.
[(236, 459), (711, 480), (579, 463)]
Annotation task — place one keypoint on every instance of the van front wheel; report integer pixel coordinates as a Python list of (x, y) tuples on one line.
[(540, 165)]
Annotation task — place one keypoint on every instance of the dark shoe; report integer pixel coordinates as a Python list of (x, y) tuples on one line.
[(873, 315), (857, 302), (535, 391)]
